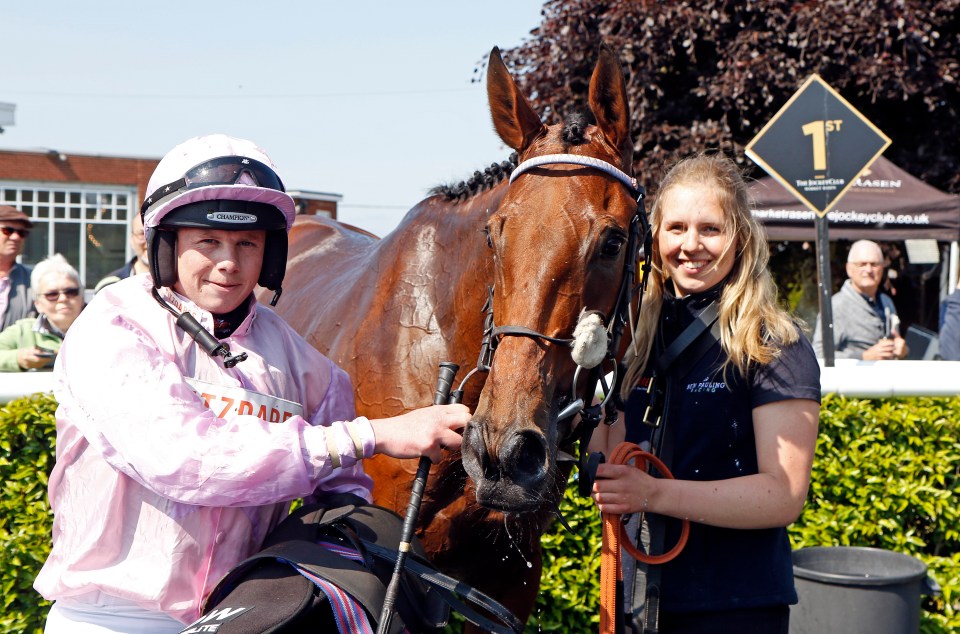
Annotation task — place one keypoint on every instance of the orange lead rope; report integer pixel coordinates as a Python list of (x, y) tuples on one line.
[(614, 535)]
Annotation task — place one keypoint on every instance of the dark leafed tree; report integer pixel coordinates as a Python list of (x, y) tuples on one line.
[(709, 74)]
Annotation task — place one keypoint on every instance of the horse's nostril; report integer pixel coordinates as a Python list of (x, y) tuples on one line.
[(490, 471), (476, 459), (523, 458)]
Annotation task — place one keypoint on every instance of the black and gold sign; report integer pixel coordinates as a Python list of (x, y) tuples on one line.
[(817, 145)]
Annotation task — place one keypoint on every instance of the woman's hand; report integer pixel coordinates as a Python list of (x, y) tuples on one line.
[(423, 432), (34, 358), (622, 489)]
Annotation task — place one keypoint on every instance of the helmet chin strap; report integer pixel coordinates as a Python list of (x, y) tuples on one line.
[(210, 344)]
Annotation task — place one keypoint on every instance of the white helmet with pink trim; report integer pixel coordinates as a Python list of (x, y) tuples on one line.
[(221, 182)]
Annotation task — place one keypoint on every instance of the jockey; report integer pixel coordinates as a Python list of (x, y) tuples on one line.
[(190, 415)]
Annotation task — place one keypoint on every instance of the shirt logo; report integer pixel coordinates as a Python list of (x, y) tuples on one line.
[(232, 217), (706, 385)]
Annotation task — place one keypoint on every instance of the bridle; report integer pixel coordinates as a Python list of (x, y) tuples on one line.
[(590, 414)]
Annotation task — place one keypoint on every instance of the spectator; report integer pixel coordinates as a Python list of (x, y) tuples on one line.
[(138, 263), (16, 298), (865, 321), (950, 327), (32, 343)]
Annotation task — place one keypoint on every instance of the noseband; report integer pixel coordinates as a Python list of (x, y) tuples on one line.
[(615, 322)]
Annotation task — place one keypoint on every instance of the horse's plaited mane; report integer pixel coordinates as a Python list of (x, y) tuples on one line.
[(479, 181), (574, 129), (573, 133)]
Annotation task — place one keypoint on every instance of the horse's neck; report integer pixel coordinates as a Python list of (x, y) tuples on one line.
[(445, 240), (438, 264)]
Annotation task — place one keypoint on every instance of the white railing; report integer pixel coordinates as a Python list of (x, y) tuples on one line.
[(16, 384), (879, 379), (859, 379)]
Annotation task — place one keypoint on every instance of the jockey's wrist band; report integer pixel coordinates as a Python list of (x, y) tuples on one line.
[(355, 437), (332, 448)]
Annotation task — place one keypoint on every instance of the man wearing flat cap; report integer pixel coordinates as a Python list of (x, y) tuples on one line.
[(16, 297)]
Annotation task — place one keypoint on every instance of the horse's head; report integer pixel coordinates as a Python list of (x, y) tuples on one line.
[(559, 245)]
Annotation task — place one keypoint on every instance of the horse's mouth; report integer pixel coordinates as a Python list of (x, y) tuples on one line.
[(520, 477), (506, 497)]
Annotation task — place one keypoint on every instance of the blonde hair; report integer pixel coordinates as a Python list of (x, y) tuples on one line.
[(753, 326)]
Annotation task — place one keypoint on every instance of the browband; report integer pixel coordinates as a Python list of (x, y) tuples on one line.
[(576, 159)]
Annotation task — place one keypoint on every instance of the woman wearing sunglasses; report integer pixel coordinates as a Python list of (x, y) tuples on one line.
[(32, 343)]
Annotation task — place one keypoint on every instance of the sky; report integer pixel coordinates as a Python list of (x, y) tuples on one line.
[(375, 101)]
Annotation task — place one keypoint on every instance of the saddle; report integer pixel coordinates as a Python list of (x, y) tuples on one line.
[(326, 568)]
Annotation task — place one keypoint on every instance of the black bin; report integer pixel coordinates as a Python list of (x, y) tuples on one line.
[(857, 590)]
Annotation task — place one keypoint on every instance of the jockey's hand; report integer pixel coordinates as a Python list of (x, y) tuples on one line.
[(423, 432)]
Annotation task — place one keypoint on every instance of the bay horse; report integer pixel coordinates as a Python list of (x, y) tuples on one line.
[(543, 246)]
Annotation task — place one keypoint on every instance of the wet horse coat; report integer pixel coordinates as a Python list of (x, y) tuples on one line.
[(549, 244)]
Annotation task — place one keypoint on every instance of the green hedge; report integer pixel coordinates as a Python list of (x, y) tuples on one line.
[(885, 475), (27, 437)]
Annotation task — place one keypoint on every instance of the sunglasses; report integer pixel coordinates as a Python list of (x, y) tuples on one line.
[(9, 231), (53, 296), (224, 170)]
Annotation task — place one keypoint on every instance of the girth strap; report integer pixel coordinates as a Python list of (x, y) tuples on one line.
[(353, 578), (451, 590)]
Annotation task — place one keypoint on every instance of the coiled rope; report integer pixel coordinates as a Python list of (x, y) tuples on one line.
[(615, 534)]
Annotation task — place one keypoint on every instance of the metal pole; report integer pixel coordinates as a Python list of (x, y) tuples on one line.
[(826, 294), (954, 267), (441, 396)]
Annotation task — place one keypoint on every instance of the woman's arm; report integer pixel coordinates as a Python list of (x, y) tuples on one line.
[(786, 436), (10, 344)]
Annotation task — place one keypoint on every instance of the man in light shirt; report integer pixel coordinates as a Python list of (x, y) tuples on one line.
[(865, 321)]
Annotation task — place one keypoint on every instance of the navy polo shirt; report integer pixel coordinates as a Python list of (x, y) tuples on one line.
[(710, 413)]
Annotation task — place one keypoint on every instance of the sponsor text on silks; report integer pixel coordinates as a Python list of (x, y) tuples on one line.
[(226, 401)]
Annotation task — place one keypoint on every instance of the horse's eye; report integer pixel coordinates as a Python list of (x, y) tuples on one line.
[(612, 245), (486, 232)]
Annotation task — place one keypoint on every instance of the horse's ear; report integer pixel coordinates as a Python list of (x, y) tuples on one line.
[(515, 121), (608, 102)]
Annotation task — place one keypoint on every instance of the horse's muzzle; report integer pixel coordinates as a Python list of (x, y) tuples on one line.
[(512, 476)]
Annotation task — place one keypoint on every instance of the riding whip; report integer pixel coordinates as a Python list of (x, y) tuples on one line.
[(441, 396)]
